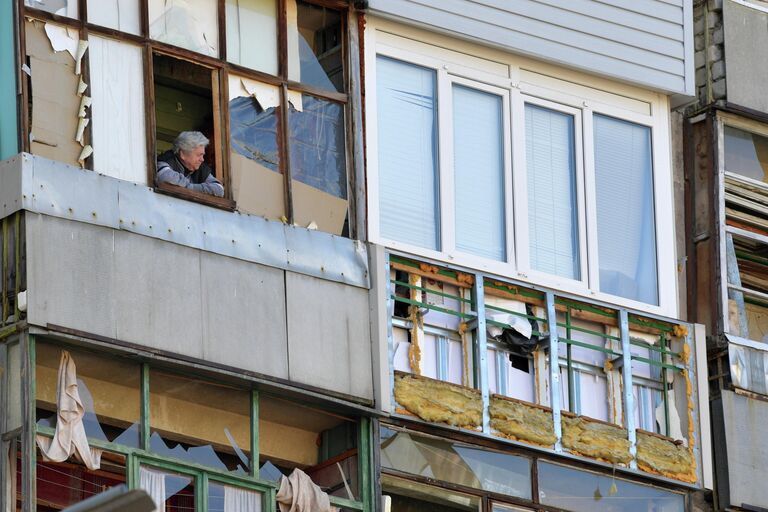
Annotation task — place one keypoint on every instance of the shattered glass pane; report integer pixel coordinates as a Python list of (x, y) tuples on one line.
[(746, 154), (190, 24), (254, 132), (456, 463), (315, 49), (409, 496), (583, 491), (222, 441), (252, 34), (66, 8)]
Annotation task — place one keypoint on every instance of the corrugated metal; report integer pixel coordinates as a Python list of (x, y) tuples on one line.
[(648, 43)]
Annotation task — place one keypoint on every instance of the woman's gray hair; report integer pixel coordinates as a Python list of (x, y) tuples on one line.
[(188, 141)]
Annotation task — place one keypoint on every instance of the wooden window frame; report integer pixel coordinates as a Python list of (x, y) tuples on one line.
[(220, 70)]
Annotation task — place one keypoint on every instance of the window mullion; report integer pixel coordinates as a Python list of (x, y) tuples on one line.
[(255, 434), (518, 206), (590, 200), (445, 188)]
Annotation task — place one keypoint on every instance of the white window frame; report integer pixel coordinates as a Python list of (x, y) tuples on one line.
[(519, 81)]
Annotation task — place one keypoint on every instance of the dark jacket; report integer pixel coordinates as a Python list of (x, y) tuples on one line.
[(171, 170)]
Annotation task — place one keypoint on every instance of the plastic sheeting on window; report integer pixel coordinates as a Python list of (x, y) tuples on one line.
[(120, 15), (190, 24), (252, 34), (66, 8)]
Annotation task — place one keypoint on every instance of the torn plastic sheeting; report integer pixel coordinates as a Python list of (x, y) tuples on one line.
[(81, 87), (82, 46), (84, 154), (61, 40), (190, 24), (85, 102), (518, 323), (675, 429), (267, 95), (82, 123), (254, 131)]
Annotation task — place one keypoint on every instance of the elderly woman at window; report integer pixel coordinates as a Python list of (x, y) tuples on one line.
[(183, 165)]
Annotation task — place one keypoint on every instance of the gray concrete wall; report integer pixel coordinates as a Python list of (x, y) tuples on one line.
[(194, 303), (649, 43), (744, 421), (746, 55)]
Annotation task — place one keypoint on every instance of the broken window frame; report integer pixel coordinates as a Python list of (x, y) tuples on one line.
[(730, 226), (220, 68), (136, 457), (581, 94), (548, 387)]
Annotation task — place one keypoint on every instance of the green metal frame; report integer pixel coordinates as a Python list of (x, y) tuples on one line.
[(9, 121), (138, 456)]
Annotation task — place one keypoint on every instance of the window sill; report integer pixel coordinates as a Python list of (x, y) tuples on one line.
[(198, 197)]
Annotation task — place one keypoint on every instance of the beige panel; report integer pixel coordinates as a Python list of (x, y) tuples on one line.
[(54, 98), (256, 189), (310, 205)]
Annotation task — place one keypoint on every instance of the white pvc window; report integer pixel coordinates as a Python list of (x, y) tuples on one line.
[(407, 126), (625, 209), (552, 208), (478, 166)]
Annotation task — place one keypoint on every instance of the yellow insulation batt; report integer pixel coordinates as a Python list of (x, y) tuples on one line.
[(594, 439), (521, 421), (438, 401), (665, 457)]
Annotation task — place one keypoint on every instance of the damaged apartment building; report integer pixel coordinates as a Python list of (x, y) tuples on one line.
[(446, 272), (726, 140)]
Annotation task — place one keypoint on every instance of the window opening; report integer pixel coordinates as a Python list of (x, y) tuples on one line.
[(322, 444), (186, 125), (315, 46)]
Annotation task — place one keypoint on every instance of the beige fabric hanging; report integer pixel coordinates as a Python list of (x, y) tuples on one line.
[(298, 493), (70, 438)]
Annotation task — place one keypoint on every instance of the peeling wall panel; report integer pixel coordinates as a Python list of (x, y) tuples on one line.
[(117, 89), (55, 103)]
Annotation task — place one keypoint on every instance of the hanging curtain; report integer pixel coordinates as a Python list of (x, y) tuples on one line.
[(241, 500), (154, 483), (298, 493), (70, 438)]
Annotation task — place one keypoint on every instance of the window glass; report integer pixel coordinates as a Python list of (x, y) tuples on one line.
[(227, 498), (582, 491), (177, 403), (190, 24), (407, 496), (109, 390), (407, 138), (66, 8), (625, 216), (172, 492), (255, 175), (252, 34), (552, 209), (315, 45), (318, 163), (478, 163), (455, 463), (747, 268), (746, 154), (120, 15)]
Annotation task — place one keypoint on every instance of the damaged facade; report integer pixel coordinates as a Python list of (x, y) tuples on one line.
[(442, 275), (726, 136)]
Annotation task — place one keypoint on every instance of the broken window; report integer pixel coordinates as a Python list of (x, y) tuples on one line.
[(222, 442), (58, 104), (318, 164), (409, 496), (252, 34), (189, 24), (746, 154), (455, 463), (584, 491), (67, 8), (553, 227), (169, 490), (315, 45), (123, 15), (102, 384), (255, 172), (117, 89), (322, 444), (479, 162), (625, 209)]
